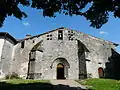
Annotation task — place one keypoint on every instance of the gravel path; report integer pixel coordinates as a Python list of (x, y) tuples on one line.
[(66, 85)]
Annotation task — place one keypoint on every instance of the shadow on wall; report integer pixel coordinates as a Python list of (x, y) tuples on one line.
[(82, 61), (36, 86), (112, 67)]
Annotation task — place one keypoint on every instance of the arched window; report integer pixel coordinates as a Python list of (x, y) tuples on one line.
[(101, 72)]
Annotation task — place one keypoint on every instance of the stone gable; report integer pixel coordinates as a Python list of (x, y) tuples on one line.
[(79, 55)]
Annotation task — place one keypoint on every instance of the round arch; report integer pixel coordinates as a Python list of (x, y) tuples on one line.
[(38, 47), (60, 62), (32, 57)]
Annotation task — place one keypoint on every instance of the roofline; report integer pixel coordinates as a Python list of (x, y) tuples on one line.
[(67, 29), (41, 34), (98, 38), (5, 34)]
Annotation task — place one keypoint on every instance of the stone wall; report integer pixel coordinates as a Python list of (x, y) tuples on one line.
[(96, 54), (99, 52), (1, 48), (6, 56), (52, 49)]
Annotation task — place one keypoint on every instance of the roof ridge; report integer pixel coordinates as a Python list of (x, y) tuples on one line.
[(6, 34), (71, 30), (95, 37)]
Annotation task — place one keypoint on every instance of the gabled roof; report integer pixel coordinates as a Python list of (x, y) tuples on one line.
[(67, 29), (7, 35), (41, 34)]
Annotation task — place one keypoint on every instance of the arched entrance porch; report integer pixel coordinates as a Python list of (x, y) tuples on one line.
[(60, 66)]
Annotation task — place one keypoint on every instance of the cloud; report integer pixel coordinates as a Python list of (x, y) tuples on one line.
[(26, 24), (103, 33)]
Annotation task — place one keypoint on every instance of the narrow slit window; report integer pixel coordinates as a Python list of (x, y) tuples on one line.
[(33, 41), (22, 44), (60, 35)]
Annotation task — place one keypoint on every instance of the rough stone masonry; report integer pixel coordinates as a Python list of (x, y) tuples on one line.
[(58, 54)]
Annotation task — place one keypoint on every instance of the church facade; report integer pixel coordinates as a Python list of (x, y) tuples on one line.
[(58, 54)]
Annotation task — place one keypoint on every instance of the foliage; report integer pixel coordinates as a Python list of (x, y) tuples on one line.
[(97, 12), (12, 76), (101, 84)]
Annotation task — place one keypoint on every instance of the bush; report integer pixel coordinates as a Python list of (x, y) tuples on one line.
[(12, 76)]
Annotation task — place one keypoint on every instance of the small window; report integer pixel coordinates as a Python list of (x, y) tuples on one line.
[(71, 32), (70, 35), (22, 44), (33, 41), (49, 36), (60, 35)]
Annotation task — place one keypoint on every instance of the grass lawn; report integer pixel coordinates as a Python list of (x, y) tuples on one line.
[(101, 84), (19, 84)]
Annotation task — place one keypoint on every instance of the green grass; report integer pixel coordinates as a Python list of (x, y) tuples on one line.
[(101, 84), (19, 84), (23, 81)]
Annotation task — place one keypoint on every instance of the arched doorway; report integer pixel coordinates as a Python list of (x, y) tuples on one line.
[(60, 67), (101, 72), (60, 71)]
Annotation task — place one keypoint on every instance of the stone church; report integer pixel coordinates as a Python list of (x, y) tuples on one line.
[(58, 54)]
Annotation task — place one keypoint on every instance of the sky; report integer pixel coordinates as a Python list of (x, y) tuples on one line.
[(36, 24)]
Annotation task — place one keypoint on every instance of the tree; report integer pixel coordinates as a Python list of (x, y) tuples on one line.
[(97, 13)]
